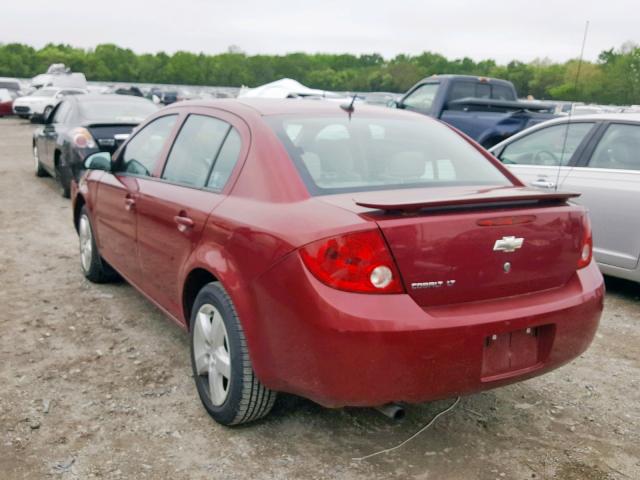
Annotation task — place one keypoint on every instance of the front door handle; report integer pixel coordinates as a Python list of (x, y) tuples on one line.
[(541, 183), (184, 222)]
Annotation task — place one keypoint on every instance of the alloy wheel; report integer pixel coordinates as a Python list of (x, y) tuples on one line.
[(211, 352), (86, 243)]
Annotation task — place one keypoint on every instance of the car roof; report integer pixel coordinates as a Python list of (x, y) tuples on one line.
[(291, 106), (633, 117), (452, 76), (107, 97)]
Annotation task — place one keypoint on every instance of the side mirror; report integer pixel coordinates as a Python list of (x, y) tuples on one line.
[(98, 161), (38, 119), (393, 104)]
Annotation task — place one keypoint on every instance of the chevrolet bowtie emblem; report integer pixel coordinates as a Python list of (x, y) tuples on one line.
[(508, 244)]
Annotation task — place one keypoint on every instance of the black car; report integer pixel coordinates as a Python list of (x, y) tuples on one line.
[(81, 125)]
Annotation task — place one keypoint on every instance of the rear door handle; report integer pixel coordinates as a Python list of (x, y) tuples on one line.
[(543, 183), (129, 202), (184, 222)]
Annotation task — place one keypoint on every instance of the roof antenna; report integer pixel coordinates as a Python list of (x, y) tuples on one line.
[(348, 107), (575, 89)]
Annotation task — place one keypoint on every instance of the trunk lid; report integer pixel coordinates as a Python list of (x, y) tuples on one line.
[(455, 245), (110, 136)]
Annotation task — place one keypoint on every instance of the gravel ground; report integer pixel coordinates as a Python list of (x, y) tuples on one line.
[(96, 383)]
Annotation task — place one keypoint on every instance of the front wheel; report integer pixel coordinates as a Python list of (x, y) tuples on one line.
[(40, 171), (227, 385), (93, 266)]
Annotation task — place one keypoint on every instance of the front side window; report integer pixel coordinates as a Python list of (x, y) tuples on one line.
[(422, 97), (550, 146), (142, 153), (618, 149), (335, 154), (195, 150)]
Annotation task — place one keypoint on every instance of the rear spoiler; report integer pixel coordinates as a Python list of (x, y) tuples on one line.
[(475, 198), (506, 105)]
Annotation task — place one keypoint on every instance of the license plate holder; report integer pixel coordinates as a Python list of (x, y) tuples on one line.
[(510, 352)]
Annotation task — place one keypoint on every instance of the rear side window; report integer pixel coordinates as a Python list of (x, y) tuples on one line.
[(142, 153), (502, 92), (338, 154), (195, 150), (462, 90), (226, 160), (550, 146), (618, 149)]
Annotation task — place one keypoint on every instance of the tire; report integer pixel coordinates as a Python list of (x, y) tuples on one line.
[(64, 180), (94, 268), (40, 171), (217, 339)]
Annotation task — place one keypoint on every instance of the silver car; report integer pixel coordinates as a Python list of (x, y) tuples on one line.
[(599, 157)]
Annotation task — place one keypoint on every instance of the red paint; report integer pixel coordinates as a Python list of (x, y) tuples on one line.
[(339, 347), (6, 108)]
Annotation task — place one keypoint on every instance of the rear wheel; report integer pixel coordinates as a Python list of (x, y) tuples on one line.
[(93, 266), (227, 385), (40, 171)]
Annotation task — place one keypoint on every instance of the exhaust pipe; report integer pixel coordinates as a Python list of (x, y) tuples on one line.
[(394, 411)]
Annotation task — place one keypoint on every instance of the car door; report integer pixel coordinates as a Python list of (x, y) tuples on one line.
[(543, 156), (172, 212), (115, 210), (608, 177)]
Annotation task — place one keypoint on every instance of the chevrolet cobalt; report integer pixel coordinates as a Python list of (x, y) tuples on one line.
[(351, 255)]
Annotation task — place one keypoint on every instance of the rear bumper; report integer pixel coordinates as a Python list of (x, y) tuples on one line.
[(340, 348)]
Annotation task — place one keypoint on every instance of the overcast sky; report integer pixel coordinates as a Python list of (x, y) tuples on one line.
[(499, 29)]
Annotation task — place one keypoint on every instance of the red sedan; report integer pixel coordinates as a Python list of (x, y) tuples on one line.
[(354, 257)]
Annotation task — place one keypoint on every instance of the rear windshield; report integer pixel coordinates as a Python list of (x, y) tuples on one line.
[(117, 111), (337, 155)]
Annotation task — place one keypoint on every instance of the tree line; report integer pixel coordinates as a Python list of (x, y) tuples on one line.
[(613, 79)]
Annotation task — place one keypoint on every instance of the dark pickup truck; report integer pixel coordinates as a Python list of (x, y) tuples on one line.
[(486, 109)]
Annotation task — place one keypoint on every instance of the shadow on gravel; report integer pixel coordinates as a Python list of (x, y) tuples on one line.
[(625, 288)]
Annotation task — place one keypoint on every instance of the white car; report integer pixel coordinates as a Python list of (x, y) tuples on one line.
[(41, 102)]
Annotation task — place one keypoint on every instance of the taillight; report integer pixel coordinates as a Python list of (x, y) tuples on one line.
[(355, 262), (586, 244), (82, 138)]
